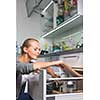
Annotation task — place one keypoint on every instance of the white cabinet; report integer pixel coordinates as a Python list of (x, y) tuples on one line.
[(71, 22), (69, 30), (74, 58)]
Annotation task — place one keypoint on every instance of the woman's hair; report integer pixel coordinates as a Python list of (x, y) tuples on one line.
[(26, 43)]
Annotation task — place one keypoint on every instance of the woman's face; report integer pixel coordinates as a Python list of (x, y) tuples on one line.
[(33, 50)]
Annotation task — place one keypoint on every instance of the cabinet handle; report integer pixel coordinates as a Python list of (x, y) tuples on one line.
[(71, 57)]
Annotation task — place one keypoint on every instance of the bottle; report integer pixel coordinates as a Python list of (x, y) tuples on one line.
[(66, 8), (70, 86), (64, 87), (73, 2), (64, 46), (60, 17)]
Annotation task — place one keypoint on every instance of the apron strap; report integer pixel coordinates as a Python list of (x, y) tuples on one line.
[(26, 87)]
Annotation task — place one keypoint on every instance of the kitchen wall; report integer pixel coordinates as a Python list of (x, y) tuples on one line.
[(26, 26)]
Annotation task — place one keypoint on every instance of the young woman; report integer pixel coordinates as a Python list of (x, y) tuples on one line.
[(30, 50)]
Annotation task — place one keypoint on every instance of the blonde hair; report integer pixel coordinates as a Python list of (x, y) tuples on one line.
[(26, 43)]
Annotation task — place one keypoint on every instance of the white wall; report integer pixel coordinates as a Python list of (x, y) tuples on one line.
[(26, 26)]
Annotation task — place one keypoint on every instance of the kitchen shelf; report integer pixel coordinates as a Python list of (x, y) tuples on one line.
[(65, 26), (66, 94), (58, 53), (64, 79)]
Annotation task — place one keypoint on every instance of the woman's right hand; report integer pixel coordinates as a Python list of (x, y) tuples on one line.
[(67, 67)]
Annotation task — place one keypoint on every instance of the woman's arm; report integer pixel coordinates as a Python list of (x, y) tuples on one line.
[(26, 68), (70, 69), (42, 65), (52, 73)]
